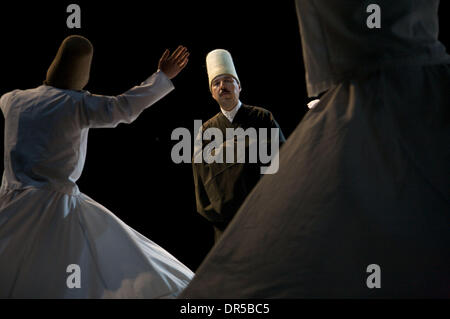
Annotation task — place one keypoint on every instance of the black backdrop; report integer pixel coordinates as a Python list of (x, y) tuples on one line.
[(129, 169)]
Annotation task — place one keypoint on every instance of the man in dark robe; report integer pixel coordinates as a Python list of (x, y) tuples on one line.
[(222, 185), (360, 207)]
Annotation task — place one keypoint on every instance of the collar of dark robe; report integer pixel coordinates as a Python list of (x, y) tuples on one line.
[(240, 116)]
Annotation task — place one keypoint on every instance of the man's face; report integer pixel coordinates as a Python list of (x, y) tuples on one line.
[(225, 90)]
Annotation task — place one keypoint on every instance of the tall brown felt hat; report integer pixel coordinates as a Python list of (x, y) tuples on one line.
[(71, 67)]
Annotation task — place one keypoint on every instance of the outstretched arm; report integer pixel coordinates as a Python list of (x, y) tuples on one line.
[(109, 111)]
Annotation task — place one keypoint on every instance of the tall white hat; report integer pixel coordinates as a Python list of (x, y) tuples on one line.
[(220, 62)]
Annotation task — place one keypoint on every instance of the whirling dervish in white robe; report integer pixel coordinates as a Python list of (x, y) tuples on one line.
[(55, 241)]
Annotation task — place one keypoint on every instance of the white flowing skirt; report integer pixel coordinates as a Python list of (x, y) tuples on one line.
[(56, 245)]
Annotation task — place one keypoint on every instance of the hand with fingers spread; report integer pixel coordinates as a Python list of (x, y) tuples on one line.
[(173, 64)]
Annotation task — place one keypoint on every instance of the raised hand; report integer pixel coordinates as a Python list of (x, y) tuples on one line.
[(173, 64)]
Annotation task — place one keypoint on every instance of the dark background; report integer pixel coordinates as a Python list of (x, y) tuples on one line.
[(129, 169)]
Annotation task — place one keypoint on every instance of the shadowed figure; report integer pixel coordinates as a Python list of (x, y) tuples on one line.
[(364, 179)]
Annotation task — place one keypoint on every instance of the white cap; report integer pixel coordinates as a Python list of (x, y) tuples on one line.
[(220, 62)]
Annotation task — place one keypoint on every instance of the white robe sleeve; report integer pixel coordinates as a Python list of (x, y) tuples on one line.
[(109, 111)]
